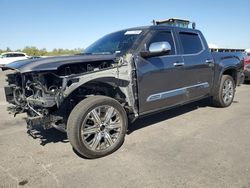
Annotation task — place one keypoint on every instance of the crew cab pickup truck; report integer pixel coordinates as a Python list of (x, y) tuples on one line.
[(124, 75)]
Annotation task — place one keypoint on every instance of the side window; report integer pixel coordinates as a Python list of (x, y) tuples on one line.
[(10, 55), (191, 42), (19, 55), (162, 37)]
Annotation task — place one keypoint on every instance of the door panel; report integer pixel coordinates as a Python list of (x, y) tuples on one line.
[(184, 75), (160, 83), (201, 74), (199, 64)]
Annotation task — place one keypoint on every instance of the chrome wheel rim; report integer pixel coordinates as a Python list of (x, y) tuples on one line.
[(228, 91), (101, 128)]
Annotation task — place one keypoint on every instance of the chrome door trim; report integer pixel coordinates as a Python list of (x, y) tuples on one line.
[(175, 92)]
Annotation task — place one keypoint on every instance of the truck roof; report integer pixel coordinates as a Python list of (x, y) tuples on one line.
[(156, 27)]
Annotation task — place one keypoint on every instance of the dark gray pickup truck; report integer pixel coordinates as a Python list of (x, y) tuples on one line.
[(124, 75)]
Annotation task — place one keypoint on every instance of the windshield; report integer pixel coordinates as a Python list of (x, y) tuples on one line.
[(119, 42)]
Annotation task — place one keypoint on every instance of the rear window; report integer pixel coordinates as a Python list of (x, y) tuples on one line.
[(191, 43)]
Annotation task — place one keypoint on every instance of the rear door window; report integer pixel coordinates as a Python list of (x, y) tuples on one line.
[(191, 43)]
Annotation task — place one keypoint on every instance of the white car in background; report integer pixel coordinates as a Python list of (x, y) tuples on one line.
[(9, 57), (247, 52)]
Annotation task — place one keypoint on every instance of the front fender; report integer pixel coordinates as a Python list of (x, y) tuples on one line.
[(78, 81)]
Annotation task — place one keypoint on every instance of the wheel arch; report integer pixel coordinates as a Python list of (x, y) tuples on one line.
[(113, 87), (231, 71)]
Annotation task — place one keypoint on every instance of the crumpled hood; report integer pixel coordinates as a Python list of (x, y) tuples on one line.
[(52, 63)]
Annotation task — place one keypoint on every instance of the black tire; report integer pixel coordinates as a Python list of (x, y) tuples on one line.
[(76, 126), (218, 98)]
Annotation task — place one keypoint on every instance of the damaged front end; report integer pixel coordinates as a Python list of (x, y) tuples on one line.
[(38, 95), (48, 97)]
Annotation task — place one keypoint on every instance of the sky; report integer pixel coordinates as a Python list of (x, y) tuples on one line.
[(78, 23)]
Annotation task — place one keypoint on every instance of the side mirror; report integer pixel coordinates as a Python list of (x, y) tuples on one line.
[(157, 49)]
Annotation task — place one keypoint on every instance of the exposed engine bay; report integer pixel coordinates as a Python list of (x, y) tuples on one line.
[(49, 96), (32, 89)]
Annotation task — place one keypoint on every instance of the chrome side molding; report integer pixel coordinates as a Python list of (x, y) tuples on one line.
[(175, 92)]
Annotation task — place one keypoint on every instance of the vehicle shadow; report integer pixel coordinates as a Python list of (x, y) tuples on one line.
[(247, 82), (47, 136), (167, 114)]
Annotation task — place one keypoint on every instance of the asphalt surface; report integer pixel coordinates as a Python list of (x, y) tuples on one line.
[(192, 146)]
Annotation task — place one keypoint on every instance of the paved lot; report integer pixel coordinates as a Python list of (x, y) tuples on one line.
[(192, 146)]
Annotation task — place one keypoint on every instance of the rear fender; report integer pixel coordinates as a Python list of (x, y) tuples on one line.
[(230, 63)]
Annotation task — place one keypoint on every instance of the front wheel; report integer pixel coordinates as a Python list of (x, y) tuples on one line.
[(225, 93), (97, 126)]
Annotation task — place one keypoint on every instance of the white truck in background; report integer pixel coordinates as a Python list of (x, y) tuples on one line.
[(9, 57)]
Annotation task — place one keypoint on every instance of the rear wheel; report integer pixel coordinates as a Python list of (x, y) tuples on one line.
[(225, 94), (97, 126)]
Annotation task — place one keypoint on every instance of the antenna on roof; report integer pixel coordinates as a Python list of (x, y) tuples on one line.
[(193, 25)]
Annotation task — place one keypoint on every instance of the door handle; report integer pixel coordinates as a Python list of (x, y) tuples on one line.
[(210, 62), (179, 64)]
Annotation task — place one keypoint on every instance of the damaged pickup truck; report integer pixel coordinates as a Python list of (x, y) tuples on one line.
[(124, 75)]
